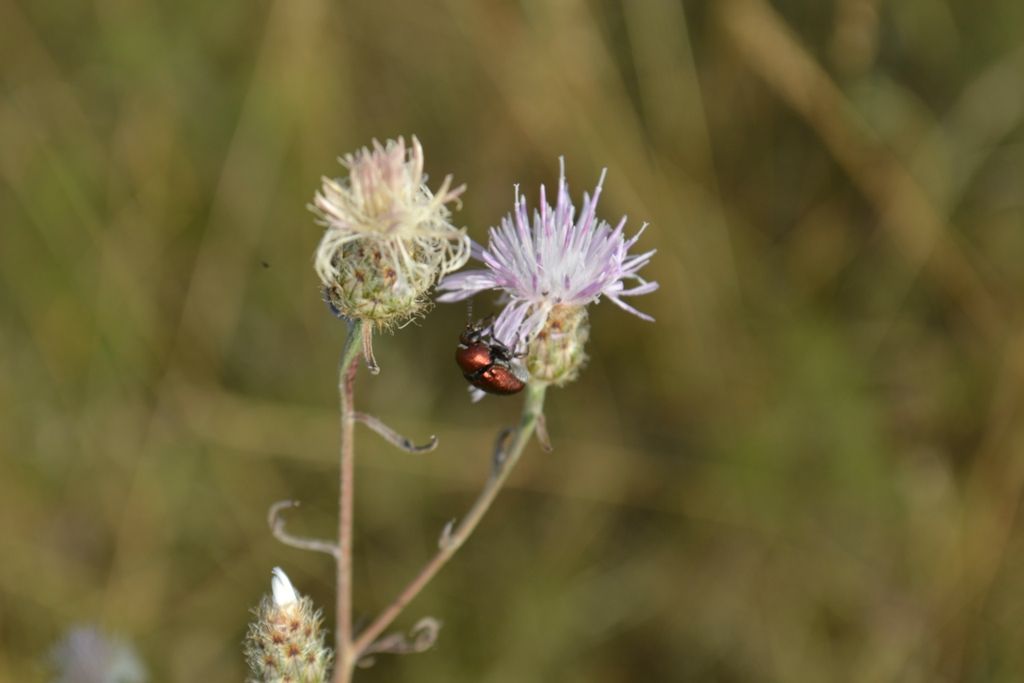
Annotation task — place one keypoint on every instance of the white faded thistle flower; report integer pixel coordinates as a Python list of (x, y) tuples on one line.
[(549, 271), (388, 238), (86, 655), (285, 641)]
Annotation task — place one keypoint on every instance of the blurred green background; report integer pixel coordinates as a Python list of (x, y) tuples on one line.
[(809, 469)]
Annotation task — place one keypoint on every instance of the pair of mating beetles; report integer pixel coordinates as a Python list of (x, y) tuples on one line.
[(488, 364)]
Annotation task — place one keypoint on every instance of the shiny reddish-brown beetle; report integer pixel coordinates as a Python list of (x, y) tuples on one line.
[(488, 364)]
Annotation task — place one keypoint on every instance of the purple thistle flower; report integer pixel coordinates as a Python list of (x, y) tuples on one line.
[(558, 260)]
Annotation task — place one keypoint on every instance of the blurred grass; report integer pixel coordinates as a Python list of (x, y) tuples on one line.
[(809, 469)]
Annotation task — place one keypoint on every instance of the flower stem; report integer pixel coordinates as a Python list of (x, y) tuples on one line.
[(344, 652), (504, 461)]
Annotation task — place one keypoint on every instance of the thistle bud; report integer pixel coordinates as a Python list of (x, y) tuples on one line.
[(556, 354), (285, 641), (388, 237)]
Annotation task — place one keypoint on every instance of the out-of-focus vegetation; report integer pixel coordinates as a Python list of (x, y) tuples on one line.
[(809, 469)]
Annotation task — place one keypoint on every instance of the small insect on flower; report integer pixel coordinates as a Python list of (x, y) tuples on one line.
[(488, 364)]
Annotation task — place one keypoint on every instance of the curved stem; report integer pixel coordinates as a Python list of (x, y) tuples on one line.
[(453, 538), (394, 438), (344, 652), (277, 528), (420, 639)]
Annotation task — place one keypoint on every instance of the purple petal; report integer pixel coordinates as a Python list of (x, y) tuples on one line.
[(476, 250), (645, 288), (474, 280), (452, 297), (626, 307), (506, 327)]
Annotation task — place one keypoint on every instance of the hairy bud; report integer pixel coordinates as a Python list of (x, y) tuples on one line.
[(285, 642), (556, 355)]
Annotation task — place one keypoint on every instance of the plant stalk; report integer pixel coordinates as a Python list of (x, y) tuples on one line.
[(453, 539), (345, 657)]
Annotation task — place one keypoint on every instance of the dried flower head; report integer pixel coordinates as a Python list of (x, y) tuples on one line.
[(549, 270), (285, 641), (388, 238)]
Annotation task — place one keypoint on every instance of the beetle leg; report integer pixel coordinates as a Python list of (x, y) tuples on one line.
[(476, 375)]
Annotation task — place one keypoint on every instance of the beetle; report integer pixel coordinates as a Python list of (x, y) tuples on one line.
[(488, 364)]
